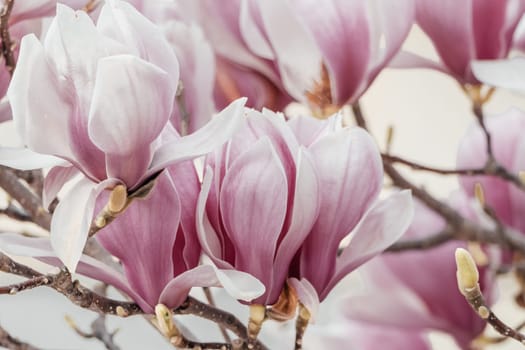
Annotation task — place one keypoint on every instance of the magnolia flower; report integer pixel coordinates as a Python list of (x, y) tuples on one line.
[(156, 243), (508, 145), (270, 195), (415, 291), (327, 53), (104, 94), (469, 30), (507, 74), (239, 71), (350, 175)]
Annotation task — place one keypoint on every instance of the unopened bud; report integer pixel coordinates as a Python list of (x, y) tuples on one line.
[(521, 174), (467, 272), (117, 199), (479, 194), (165, 320)]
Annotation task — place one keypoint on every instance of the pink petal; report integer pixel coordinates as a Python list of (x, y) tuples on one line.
[(297, 54), (37, 102), (71, 220), (350, 176), (444, 20), (203, 141), (145, 103), (341, 31), (143, 238), (381, 226), (122, 22), (54, 181), (239, 285), (211, 244), (303, 216), (255, 183)]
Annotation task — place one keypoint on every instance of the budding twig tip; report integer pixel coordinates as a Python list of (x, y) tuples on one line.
[(479, 193), (467, 272), (117, 199)]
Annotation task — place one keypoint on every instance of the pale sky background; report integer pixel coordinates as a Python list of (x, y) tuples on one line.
[(430, 114)]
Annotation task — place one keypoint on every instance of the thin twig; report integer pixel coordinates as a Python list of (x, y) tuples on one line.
[(11, 343), (422, 243), (194, 307), (13, 212), (461, 228), (211, 301), (63, 283), (23, 195), (7, 45)]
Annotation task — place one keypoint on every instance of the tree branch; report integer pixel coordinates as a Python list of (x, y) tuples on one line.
[(7, 45), (422, 243)]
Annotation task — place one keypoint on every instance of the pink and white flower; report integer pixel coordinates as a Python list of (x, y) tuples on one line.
[(104, 95)]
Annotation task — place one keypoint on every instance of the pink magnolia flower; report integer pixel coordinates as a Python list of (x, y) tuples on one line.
[(507, 73), (156, 243), (270, 195), (508, 145), (239, 71), (415, 291), (469, 30), (329, 52), (104, 94)]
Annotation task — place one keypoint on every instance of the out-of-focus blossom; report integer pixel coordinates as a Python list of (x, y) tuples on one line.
[(326, 53), (156, 243), (270, 195), (469, 30), (103, 94), (415, 291), (363, 336), (508, 145), (239, 71)]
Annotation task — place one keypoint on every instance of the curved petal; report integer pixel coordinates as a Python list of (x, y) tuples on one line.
[(303, 216), (204, 140), (307, 295), (253, 203), (507, 74), (143, 236), (144, 107), (121, 21), (71, 220), (38, 103), (381, 226), (54, 181), (297, 54), (25, 159), (350, 176), (342, 32), (211, 244)]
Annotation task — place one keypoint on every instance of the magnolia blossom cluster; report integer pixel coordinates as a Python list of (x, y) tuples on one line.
[(159, 128)]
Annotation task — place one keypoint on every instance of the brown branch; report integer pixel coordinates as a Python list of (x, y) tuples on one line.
[(23, 195), (15, 213), (422, 243), (225, 319), (9, 342), (7, 45), (64, 284), (461, 228), (211, 301), (477, 109), (491, 168)]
